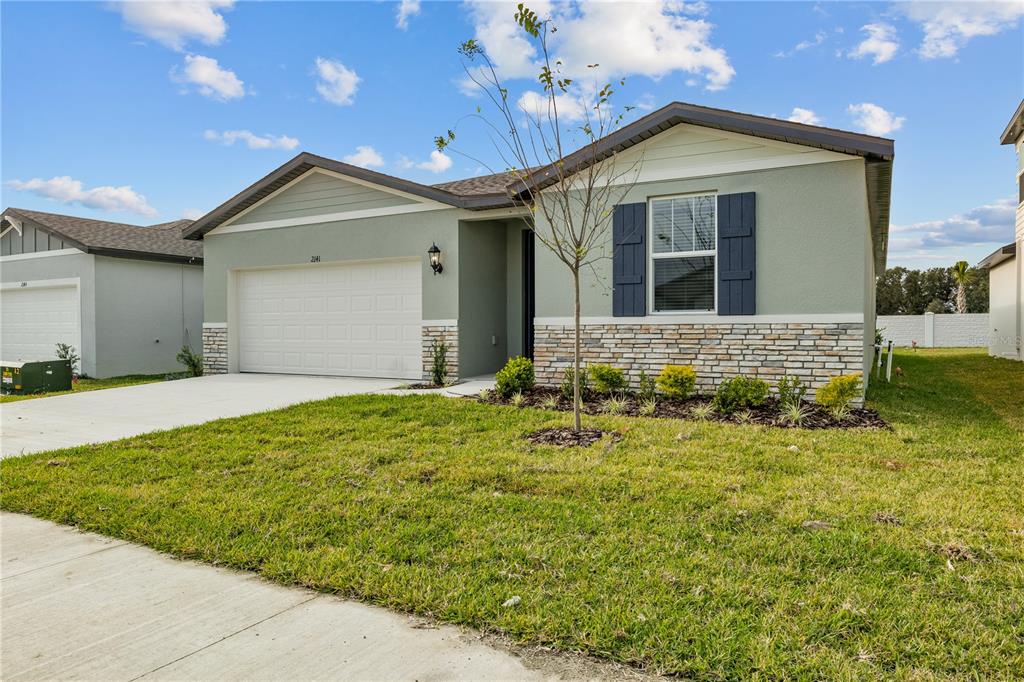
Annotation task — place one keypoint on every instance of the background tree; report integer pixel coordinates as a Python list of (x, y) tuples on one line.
[(570, 202), (899, 291), (962, 275)]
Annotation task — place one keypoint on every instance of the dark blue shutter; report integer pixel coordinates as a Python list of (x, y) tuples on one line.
[(629, 260), (736, 259)]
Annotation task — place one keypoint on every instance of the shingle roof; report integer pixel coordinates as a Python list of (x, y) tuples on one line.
[(1003, 253), (162, 241), (482, 185)]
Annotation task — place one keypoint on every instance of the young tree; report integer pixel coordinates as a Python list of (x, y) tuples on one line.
[(962, 275), (568, 197)]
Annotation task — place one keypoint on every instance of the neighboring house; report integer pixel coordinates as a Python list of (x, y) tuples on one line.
[(321, 267), (1006, 265), (126, 297)]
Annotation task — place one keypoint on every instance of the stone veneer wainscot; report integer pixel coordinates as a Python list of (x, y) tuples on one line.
[(450, 335), (215, 349), (814, 352)]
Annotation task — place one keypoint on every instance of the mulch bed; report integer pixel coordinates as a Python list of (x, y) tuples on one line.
[(768, 414), (418, 387), (565, 437)]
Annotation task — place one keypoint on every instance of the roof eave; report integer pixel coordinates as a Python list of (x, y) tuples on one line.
[(1015, 128), (1000, 255)]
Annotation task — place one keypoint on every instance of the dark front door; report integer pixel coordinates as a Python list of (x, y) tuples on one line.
[(529, 298)]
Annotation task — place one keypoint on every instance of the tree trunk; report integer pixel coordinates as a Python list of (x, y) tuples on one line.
[(961, 299), (576, 398)]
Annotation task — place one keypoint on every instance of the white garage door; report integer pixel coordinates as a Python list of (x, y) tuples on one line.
[(33, 320), (359, 319)]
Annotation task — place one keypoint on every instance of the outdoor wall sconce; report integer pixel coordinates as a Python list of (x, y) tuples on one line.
[(435, 259)]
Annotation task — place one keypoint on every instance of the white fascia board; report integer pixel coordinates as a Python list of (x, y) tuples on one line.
[(40, 254)]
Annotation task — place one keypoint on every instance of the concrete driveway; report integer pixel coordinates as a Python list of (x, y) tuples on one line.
[(105, 415)]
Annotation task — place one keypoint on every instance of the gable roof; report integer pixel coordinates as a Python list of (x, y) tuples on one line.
[(1003, 253), (495, 190), (163, 241)]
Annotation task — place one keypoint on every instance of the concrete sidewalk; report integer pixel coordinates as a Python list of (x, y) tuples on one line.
[(81, 606), (110, 414)]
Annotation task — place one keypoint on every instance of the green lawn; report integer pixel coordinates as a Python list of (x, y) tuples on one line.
[(91, 385), (681, 548)]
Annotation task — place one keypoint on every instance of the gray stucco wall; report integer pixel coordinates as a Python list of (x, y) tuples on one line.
[(483, 341), (398, 236), (812, 237), (80, 265), (145, 312)]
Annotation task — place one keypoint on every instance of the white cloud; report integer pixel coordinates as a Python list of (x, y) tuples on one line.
[(365, 156), (801, 115), (955, 238), (252, 140), (874, 120), (439, 162), (881, 43), (819, 38), (211, 79), (66, 190), (652, 39), (571, 109), (193, 213), (406, 9), (338, 83), (175, 22), (948, 26)]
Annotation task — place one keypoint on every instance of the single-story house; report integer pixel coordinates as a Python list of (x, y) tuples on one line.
[(1006, 265), (321, 267), (127, 297)]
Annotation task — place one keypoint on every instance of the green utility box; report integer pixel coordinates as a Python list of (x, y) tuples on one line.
[(45, 376)]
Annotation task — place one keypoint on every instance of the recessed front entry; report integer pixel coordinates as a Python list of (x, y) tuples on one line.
[(342, 319)]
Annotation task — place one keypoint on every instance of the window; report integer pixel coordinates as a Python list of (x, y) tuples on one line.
[(683, 238)]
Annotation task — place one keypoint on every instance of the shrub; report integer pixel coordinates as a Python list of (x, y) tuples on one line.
[(607, 379), (677, 381), (791, 391), (613, 405), (795, 414), (838, 393), (740, 392), (550, 402), (67, 352), (648, 406), (567, 382), (515, 377), (648, 387), (517, 399), (193, 361), (703, 411), (439, 363)]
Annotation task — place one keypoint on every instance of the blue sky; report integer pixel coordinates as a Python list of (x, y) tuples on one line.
[(146, 112)]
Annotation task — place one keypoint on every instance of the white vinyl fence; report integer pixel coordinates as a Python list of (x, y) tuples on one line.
[(935, 331)]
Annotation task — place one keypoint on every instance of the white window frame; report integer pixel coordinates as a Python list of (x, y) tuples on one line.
[(652, 256)]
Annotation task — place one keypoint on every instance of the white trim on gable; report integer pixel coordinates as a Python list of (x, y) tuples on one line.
[(15, 224), (421, 202)]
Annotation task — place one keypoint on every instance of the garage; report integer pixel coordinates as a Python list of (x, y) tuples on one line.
[(342, 319), (35, 318)]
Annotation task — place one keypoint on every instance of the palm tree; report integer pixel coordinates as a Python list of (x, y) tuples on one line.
[(962, 275)]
